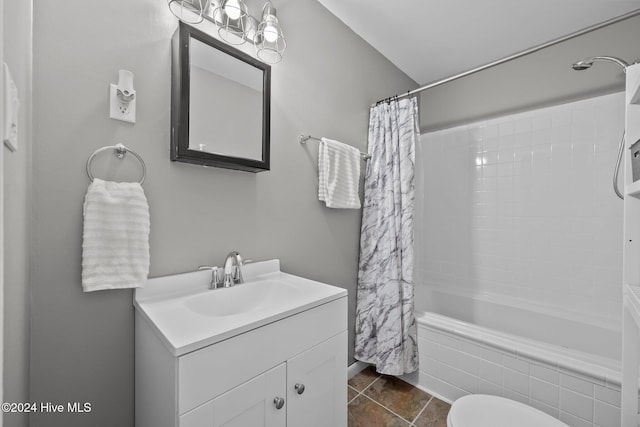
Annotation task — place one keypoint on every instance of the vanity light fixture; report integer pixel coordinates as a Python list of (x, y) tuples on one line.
[(269, 40), (189, 11), (236, 25), (233, 20)]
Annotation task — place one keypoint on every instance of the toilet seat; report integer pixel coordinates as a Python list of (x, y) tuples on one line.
[(481, 410)]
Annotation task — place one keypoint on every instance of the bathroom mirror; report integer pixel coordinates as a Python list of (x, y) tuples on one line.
[(220, 104)]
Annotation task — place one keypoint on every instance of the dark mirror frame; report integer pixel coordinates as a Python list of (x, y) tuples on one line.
[(180, 90)]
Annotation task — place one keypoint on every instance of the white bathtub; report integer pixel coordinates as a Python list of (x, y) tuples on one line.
[(593, 335), (559, 364)]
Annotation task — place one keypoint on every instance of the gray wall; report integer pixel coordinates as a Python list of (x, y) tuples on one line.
[(16, 169), (82, 344), (535, 80)]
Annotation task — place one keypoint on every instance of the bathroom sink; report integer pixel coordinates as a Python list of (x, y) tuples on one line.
[(187, 315), (251, 296)]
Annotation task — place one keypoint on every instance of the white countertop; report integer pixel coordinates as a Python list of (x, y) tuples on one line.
[(187, 315)]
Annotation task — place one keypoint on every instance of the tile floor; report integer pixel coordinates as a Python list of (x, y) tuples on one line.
[(385, 401)]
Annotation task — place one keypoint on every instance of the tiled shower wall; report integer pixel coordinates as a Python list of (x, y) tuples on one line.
[(521, 209)]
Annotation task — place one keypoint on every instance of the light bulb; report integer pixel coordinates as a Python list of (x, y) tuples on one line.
[(232, 9), (270, 33)]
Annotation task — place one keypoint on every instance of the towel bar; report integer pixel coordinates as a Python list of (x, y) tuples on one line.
[(119, 150), (304, 138)]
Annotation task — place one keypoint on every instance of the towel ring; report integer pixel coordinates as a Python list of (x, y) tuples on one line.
[(119, 150)]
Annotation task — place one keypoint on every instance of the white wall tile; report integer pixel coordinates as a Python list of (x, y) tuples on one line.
[(574, 421), (490, 372), (490, 355), (460, 379), (606, 415), (527, 213), (461, 360), (545, 392), (449, 341), (490, 131), (429, 365), (486, 387), (506, 128), (576, 384), (514, 395), (578, 401), (539, 172), (438, 387), (561, 116), (541, 121), (577, 404), (551, 410), (550, 375), (523, 125), (516, 364), (515, 381), (607, 395), (426, 347)]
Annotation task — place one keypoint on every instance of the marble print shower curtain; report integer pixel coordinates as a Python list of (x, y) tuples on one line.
[(385, 323)]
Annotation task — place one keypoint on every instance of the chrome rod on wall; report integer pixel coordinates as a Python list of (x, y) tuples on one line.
[(302, 139), (512, 57)]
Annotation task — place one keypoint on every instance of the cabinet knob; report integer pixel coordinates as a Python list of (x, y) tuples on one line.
[(299, 388), (279, 402)]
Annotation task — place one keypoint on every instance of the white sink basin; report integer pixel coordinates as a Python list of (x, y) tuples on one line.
[(187, 315), (252, 296)]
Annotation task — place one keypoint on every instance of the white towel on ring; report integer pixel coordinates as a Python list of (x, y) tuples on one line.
[(115, 239), (338, 174)]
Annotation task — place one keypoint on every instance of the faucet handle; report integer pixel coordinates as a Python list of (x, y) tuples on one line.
[(215, 279)]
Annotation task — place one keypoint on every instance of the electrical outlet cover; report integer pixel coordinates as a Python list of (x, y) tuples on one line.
[(119, 110)]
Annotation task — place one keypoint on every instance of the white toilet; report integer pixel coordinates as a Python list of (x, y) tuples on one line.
[(481, 410)]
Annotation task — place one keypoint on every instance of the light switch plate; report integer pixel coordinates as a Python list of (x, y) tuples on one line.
[(119, 110)]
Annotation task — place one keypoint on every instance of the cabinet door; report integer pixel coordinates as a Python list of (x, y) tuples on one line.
[(322, 371), (249, 404)]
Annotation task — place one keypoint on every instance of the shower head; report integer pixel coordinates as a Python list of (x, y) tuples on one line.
[(586, 63)]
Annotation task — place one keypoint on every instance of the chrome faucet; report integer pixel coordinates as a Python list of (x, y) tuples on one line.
[(233, 276), (216, 281), (228, 276)]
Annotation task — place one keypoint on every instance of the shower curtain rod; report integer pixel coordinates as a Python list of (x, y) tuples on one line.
[(512, 57)]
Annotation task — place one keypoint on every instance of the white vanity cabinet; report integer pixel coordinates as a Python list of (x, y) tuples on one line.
[(290, 370), (305, 391), (250, 404), (316, 389)]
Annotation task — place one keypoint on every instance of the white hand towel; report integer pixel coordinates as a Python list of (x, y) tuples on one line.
[(115, 240), (338, 174)]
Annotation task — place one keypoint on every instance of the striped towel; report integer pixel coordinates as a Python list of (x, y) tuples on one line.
[(115, 240), (338, 174)]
